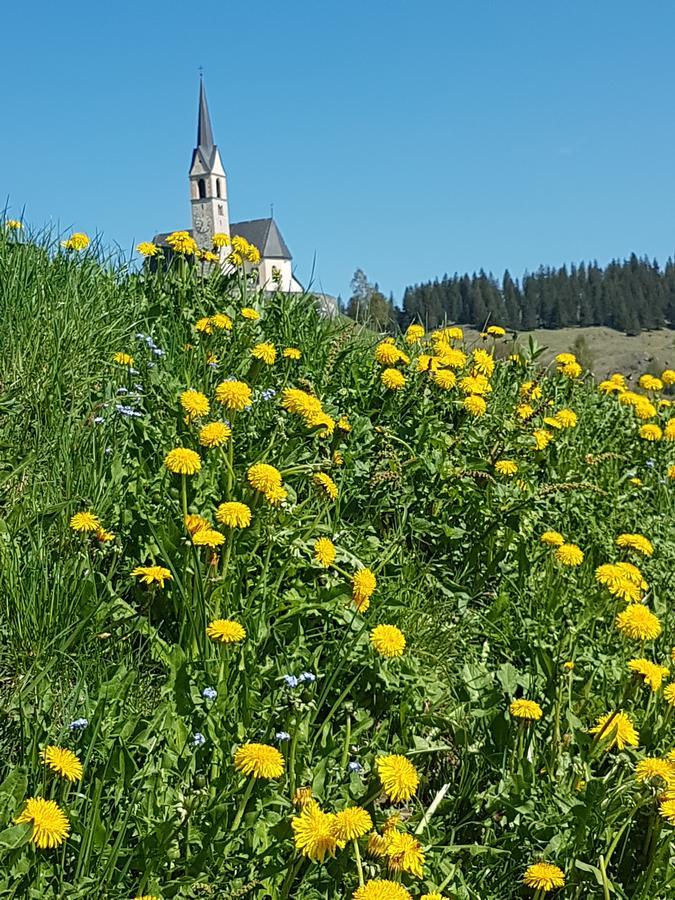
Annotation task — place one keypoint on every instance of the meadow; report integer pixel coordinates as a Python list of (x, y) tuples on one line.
[(289, 609)]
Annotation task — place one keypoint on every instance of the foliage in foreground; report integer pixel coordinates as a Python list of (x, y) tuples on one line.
[(154, 663)]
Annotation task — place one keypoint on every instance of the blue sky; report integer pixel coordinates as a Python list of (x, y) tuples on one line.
[(406, 139)]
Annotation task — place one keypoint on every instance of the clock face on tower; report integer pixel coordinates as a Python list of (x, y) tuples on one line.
[(200, 222)]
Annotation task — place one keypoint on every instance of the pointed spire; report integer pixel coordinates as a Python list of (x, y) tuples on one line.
[(204, 130)]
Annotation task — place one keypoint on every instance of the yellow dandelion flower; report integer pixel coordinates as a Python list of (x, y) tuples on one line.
[(104, 536), (619, 582), (398, 776), (636, 542), (566, 418), (544, 877), (195, 523), (363, 588), (225, 631), (404, 854), (667, 810), (13, 224), (314, 832), (63, 762), (182, 461), (251, 314), (669, 430), (221, 322), (259, 761), (215, 434), (496, 331), (302, 796), (77, 241), (324, 552), (475, 405), (123, 359), (147, 248), (444, 378), (392, 379), (650, 433), (381, 889), (524, 411), (265, 352), (650, 383), (388, 354), (669, 694), (326, 485), (182, 242), (434, 895), (552, 538), (50, 824), (344, 424), (615, 729), (413, 334), (291, 353), (220, 239), (671, 472), (234, 514), (276, 495), (638, 623), (475, 384), (204, 325), (234, 395), (570, 370), (542, 438), (85, 521), (650, 672), (263, 477), (152, 574), (448, 357), (208, 537), (506, 467), (528, 710), (195, 404), (482, 362), (569, 555), (388, 640), (654, 767), (351, 823)]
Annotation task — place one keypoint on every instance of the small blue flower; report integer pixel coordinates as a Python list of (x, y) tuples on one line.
[(139, 388), (282, 736), (141, 337), (128, 411), (651, 463), (108, 451), (209, 693), (355, 766), (307, 676), (198, 739), (133, 371), (158, 352), (78, 724), (99, 420), (151, 365), (121, 390), (291, 681), (268, 394)]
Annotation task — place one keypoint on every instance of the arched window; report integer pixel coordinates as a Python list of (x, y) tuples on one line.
[(201, 185), (218, 187)]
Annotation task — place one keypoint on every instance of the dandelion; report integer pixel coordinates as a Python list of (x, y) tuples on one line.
[(413, 334), (654, 767), (77, 241), (405, 854), (123, 359), (638, 623), (449, 357), (183, 243), (276, 495), (524, 411), (544, 877), (208, 537), (636, 542), (615, 729), (474, 405), (542, 438), (326, 485), (650, 383), (204, 325), (84, 521), (344, 424), (220, 239), (13, 225), (234, 395), (50, 824), (221, 322), (667, 810), (63, 762), (381, 889), (363, 588), (552, 538), (475, 384), (651, 673), (251, 314), (650, 433), (182, 461), (259, 761), (215, 434), (324, 552), (444, 378), (527, 710), (571, 370), (482, 362), (506, 467), (398, 776), (569, 555), (234, 514), (263, 477), (388, 354), (388, 640), (265, 352), (291, 353), (152, 574), (351, 824), (314, 831), (225, 631), (496, 331), (147, 248), (195, 523), (566, 418), (392, 379), (621, 582), (669, 694), (195, 404), (302, 796), (669, 430), (104, 536)]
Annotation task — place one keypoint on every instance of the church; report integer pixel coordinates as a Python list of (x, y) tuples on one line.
[(210, 213)]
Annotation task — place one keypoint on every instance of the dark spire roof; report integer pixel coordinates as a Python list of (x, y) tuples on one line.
[(204, 130), (266, 236)]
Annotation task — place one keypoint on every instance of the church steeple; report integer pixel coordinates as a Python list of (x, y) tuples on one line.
[(208, 184)]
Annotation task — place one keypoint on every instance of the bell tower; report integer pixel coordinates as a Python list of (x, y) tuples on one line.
[(208, 184)]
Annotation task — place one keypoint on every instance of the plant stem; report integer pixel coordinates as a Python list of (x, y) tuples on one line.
[(242, 805)]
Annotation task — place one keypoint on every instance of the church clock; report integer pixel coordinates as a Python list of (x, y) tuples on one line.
[(200, 222)]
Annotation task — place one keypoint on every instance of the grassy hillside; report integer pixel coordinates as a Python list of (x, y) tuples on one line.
[(286, 611)]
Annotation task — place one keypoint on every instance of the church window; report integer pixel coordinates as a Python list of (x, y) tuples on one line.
[(201, 185), (218, 187), (220, 209)]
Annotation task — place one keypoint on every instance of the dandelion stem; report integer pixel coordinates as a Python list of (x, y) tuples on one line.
[(357, 857), (243, 805)]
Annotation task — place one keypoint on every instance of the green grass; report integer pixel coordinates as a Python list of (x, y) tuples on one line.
[(488, 613)]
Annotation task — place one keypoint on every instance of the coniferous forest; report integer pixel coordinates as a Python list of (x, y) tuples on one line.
[(630, 295)]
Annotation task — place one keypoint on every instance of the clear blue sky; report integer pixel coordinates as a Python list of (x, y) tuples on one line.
[(409, 139)]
